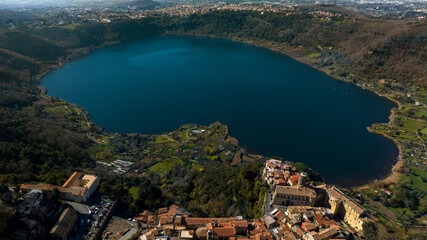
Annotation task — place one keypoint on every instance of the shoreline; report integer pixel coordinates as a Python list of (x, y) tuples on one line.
[(391, 177)]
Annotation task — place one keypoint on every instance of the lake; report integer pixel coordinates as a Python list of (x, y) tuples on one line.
[(274, 105)]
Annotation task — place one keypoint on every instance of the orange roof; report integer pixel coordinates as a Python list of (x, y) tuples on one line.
[(279, 215), (330, 222), (198, 221), (173, 207), (320, 220), (336, 227), (41, 186), (163, 210), (224, 232), (163, 218), (294, 179), (222, 229), (143, 217), (299, 231), (240, 223), (308, 226), (151, 219), (70, 182), (280, 181), (259, 222)]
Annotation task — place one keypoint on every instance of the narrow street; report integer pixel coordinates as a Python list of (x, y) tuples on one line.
[(268, 206)]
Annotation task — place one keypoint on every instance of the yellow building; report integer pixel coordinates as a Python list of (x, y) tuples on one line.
[(347, 209)]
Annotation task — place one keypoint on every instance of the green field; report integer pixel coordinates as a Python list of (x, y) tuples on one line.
[(417, 179), (162, 139), (410, 125), (71, 26), (165, 165), (134, 192)]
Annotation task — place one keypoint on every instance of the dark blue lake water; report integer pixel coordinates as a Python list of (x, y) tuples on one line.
[(274, 105)]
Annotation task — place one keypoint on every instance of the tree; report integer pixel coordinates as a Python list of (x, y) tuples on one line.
[(301, 167)]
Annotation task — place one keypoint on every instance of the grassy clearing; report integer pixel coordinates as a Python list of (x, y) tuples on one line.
[(314, 55), (421, 111), (165, 165), (71, 26), (134, 192), (162, 139), (417, 180), (105, 156), (410, 125)]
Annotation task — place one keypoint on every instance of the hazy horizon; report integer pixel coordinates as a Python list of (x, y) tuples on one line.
[(58, 3), (83, 3)]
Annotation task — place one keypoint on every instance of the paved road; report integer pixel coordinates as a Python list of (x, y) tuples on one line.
[(267, 204)]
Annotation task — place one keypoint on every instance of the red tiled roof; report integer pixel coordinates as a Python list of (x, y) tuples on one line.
[(198, 221), (41, 186), (320, 220), (279, 215), (163, 210), (308, 226), (294, 179), (70, 182), (240, 223), (224, 231), (151, 219), (330, 222), (336, 227), (143, 217), (299, 231)]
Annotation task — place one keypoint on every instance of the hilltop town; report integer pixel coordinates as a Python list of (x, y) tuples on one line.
[(292, 209)]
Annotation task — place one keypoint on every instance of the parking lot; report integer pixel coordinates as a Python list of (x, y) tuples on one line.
[(89, 216)]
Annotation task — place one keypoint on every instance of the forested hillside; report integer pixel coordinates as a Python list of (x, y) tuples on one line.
[(368, 49)]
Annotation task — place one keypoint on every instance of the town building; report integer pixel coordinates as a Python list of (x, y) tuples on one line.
[(78, 188), (64, 225), (144, 216), (220, 230), (294, 196), (346, 208)]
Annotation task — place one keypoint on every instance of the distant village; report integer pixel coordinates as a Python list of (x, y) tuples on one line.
[(293, 209), (70, 16)]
